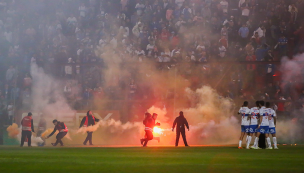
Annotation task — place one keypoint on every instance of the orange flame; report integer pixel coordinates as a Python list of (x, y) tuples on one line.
[(157, 130)]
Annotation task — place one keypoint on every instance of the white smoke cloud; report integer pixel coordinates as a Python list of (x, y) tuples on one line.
[(288, 131), (47, 93), (211, 117)]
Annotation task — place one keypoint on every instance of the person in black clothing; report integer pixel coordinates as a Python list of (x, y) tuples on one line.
[(63, 130), (88, 120), (181, 122)]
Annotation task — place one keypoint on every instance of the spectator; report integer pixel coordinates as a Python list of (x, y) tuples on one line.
[(282, 46), (261, 52), (26, 101), (251, 57), (270, 69), (27, 81), (15, 93), (69, 69), (268, 56), (139, 8), (245, 7), (82, 10), (10, 74), (293, 10), (222, 51), (243, 33), (132, 89), (224, 6)]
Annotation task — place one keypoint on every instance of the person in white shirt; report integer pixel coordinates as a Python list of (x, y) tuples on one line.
[(245, 112), (139, 8), (263, 127), (82, 10), (150, 48), (245, 7), (254, 117), (139, 51), (224, 5), (9, 36), (222, 51), (261, 31), (179, 3), (272, 130), (72, 20)]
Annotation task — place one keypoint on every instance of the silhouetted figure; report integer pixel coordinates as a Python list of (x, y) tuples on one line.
[(181, 122)]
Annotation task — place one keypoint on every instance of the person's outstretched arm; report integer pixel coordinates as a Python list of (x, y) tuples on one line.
[(186, 123), (52, 132), (97, 120)]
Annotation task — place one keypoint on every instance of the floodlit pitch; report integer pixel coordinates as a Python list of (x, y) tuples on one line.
[(151, 159)]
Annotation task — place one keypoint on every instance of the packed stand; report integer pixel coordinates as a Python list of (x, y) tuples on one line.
[(62, 37)]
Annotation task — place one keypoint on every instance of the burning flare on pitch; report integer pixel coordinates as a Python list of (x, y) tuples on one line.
[(46, 133), (157, 130)]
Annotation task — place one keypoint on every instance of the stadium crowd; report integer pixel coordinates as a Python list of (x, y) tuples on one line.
[(62, 37)]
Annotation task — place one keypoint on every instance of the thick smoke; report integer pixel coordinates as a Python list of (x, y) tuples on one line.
[(211, 119), (292, 70), (209, 114), (47, 94), (208, 117), (14, 132), (289, 131)]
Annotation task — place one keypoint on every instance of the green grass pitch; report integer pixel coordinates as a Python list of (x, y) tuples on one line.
[(150, 159)]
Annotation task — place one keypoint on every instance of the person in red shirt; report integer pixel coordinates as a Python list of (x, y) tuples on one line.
[(63, 130), (164, 35), (251, 57), (175, 41), (27, 129), (149, 123), (224, 41)]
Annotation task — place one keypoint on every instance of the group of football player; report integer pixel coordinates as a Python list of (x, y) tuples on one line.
[(258, 120)]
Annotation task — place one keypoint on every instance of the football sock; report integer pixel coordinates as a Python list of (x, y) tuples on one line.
[(269, 142), (240, 143), (274, 139), (256, 141), (248, 142)]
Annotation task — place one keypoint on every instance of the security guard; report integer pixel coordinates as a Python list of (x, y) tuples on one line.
[(87, 121), (63, 130), (27, 129)]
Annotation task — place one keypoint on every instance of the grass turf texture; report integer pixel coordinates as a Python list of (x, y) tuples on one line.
[(151, 159)]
